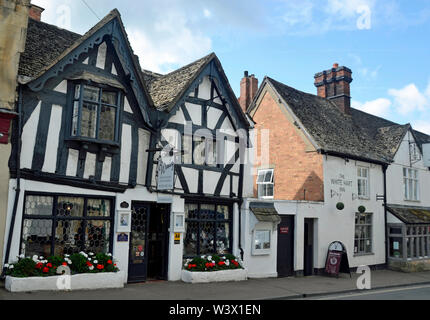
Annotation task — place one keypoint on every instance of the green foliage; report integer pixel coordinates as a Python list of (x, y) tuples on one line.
[(78, 263)]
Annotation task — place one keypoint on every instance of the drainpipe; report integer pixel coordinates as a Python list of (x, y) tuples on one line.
[(18, 181), (384, 170)]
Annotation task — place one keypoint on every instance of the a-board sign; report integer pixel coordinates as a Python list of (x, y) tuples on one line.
[(337, 259)]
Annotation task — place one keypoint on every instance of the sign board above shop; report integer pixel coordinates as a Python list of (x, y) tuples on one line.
[(166, 172)]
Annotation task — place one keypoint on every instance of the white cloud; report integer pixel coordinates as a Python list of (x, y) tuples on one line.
[(207, 13), (422, 126), (409, 99), (168, 43), (378, 107)]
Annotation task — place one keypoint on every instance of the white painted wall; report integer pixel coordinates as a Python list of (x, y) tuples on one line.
[(395, 193)]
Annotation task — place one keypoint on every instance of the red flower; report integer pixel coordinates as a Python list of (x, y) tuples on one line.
[(39, 265), (45, 270), (64, 263), (49, 265), (221, 263), (192, 266), (100, 266), (89, 264), (109, 261)]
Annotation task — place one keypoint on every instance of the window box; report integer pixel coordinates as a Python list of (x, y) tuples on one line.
[(216, 276), (89, 281)]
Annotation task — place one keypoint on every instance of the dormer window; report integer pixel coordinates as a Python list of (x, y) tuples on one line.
[(95, 113)]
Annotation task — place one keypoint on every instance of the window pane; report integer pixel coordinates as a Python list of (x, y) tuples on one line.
[(191, 211), (223, 238), (77, 91), (98, 208), (109, 97), (36, 237), (107, 123), (261, 175), (207, 211), (207, 232), (97, 236), (222, 212), (68, 237), (91, 93), (396, 247), (89, 120), (269, 176), (75, 118), (70, 207), (38, 205), (190, 240)]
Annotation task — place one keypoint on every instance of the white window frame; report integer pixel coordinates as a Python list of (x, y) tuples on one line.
[(262, 184), (365, 180), (411, 184), (261, 251), (359, 226)]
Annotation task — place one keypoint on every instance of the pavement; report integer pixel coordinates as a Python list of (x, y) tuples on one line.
[(252, 289)]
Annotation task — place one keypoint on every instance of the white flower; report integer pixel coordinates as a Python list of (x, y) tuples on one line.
[(89, 259), (95, 261), (109, 254), (227, 263), (35, 258), (22, 256), (91, 268), (203, 257), (11, 266), (223, 258), (91, 254), (6, 265), (209, 257), (67, 255), (41, 258)]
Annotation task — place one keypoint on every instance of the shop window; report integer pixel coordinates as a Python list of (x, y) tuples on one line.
[(261, 242), (207, 229), (411, 184), (363, 182), (265, 184), (58, 225), (95, 113), (363, 233)]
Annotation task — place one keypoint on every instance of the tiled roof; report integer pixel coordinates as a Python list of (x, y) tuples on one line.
[(165, 89), (44, 44), (409, 214), (360, 134)]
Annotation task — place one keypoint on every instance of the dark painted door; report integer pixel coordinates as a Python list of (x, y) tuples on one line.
[(285, 259), (308, 248), (137, 267)]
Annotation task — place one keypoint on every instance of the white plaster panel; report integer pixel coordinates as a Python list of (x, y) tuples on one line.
[(62, 87), (213, 116), (106, 170), (72, 162), (101, 56), (195, 112), (142, 161), (210, 181), (125, 153), (90, 165), (50, 162), (29, 132), (178, 117), (127, 107), (205, 89), (192, 178)]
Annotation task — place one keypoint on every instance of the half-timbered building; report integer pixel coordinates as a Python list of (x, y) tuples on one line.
[(91, 139)]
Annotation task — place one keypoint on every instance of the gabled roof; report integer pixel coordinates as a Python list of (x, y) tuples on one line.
[(44, 44), (166, 89), (359, 135)]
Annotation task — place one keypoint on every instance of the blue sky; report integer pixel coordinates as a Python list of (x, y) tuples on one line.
[(384, 42)]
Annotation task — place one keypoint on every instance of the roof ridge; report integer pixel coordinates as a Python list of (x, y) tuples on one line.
[(188, 65)]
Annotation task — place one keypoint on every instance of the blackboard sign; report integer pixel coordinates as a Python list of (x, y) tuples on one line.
[(337, 259)]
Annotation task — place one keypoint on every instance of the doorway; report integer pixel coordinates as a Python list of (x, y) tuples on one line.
[(149, 242), (285, 255), (308, 248)]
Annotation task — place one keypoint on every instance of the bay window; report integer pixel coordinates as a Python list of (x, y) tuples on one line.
[(95, 113)]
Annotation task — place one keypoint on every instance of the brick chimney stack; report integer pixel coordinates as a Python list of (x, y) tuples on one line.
[(248, 90), (333, 84), (35, 12)]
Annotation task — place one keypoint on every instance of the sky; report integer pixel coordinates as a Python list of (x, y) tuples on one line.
[(384, 42)]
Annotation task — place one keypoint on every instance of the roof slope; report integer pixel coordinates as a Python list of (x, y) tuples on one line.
[(410, 214), (332, 130), (164, 89), (44, 44)]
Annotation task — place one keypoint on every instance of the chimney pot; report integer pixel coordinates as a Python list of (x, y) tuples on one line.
[(245, 74), (35, 12), (335, 65)]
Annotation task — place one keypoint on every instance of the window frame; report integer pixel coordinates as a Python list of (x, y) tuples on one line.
[(80, 100), (55, 218), (215, 220), (407, 180), (369, 236), (366, 179), (263, 184)]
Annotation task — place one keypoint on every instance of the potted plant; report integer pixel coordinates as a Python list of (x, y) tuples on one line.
[(213, 268), (340, 206), (69, 272), (362, 209)]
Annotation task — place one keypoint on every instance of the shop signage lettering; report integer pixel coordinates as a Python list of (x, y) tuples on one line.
[(284, 230), (341, 182), (177, 238), (165, 173)]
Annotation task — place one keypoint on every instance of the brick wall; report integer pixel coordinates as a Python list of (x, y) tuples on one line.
[(298, 172)]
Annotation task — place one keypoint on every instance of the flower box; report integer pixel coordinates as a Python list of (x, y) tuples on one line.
[(214, 276), (83, 281)]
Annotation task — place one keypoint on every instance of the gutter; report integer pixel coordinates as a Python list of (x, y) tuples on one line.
[(349, 156), (384, 170), (18, 180)]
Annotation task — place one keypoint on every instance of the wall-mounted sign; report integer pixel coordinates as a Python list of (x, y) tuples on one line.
[(341, 182), (123, 221), (165, 173), (284, 230), (124, 205), (178, 222), (177, 238), (122, 237)]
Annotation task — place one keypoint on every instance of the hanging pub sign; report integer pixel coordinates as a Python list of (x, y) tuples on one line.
[(337, 259), (165, 172)]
